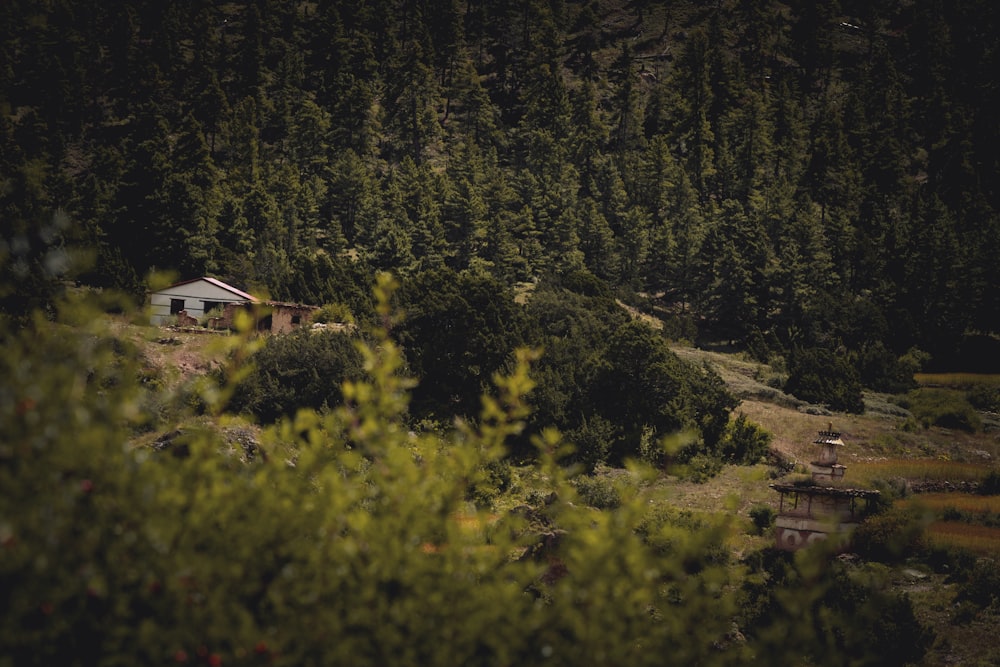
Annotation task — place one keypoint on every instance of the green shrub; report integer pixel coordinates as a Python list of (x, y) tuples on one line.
[(890, 536), (946, 559), (984, 397), (333, 313), (981, 586), (598, 491), (698, 468), (990, 485), (303, 369), (946, 408), (819, 375), (744, 442), (831, 613), (491, 481), (763, 517), (592, 441)]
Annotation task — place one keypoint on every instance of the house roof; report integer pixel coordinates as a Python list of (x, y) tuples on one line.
[(217, 283)]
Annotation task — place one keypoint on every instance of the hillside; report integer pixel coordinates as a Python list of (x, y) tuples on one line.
[(875, 434), (772, 171), (874, 437), (800, 198)]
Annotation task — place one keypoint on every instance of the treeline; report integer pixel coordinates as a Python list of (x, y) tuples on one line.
[(788, 176)]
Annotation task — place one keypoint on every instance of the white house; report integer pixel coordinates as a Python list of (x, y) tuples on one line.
[(194, 297)]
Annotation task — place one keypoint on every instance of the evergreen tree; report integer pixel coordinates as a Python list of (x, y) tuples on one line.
[(460, 329), (734, 271), (410, 107), (418, 192), (590, 135), (194, 190), (478, 119), (627, 134), (693, 129)]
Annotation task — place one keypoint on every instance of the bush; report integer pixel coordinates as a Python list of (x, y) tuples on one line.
[(744, 442), (763, 517), (698, 468), (981, 586), (592, 441), (951, 560), (990, 486), (889, 537), (984, 397), (598, 491), (818, 375), (303, 369), (832, 613), (491, 481), (946, 408), (333, 313)]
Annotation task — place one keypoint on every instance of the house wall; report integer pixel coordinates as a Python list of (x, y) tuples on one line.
[(819, 506), (793, 533), (289, 318), (194, 295), (805, 518), (270, 317)]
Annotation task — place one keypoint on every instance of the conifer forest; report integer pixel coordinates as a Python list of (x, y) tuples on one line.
[(494, 193)]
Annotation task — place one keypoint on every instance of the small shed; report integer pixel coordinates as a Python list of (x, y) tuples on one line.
[(270, 316), (193, 299)]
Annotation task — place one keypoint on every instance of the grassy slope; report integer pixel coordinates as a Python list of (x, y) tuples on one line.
[(874, 436), (180, 357)]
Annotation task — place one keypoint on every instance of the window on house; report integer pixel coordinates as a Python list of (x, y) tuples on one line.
[(213, 305), (176, 306), (296, 320)]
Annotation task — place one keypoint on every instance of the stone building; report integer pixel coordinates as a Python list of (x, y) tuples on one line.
[(214, 304), (816, 508)]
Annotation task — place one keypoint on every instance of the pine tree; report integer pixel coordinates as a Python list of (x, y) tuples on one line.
[(693, 130), (419, 191), (733, 271), (627, 133), (410, 106)]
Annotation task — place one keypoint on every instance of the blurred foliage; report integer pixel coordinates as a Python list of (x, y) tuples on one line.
[(841, 613), (350, 538)]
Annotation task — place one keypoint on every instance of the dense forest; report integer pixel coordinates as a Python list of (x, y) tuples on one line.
[(810, 182), (783, 175), (495, 192)]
